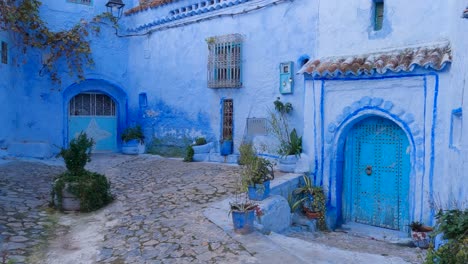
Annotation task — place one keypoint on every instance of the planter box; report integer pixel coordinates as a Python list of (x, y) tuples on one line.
[(202, 149), (69, 201), (226, 148), (243, 221), (421, 239), (259, 192), (287, 163), (133, 147)]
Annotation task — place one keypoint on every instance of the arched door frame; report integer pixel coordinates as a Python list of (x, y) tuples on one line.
[(336, 165), (99, 86)]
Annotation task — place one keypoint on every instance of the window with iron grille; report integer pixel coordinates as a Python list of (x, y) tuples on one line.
[(4, 52), (225, 61), (84, 2), (228, 112), (92, 104), (378, 14)]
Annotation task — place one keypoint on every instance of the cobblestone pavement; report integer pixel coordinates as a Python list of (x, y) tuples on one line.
[(160, 218), (24, 195), (155, 218)]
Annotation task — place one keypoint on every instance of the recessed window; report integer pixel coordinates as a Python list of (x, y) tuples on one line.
[(228, 113), (83, 2), (4, 52), (456, 128), (224, 61), (378, 14)]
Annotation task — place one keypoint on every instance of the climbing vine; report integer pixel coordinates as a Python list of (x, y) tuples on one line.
[(22, 18)]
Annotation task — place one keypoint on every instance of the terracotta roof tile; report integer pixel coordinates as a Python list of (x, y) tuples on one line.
[(147, 5), (434, 56)]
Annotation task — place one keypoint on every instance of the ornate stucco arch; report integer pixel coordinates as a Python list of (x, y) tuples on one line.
[(337, 131)]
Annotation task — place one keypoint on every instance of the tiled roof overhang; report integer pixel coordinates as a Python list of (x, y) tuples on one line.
[(147, 5), (434, 56)]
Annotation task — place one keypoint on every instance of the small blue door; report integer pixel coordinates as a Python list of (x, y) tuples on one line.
[(94, 114), (377, 166)]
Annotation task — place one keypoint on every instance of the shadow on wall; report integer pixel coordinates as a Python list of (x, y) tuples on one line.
[(169, 130)]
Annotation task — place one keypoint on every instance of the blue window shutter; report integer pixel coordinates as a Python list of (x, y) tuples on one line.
[(378, 15)]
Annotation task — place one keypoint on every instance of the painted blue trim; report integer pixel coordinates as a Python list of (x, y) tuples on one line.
[(101, 86), (268, 156), (431, 170), (322, 118), (315, 136)]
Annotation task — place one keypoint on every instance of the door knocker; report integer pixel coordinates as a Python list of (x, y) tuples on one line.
[(369, 170)]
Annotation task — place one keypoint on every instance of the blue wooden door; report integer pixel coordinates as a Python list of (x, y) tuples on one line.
[(94, 114), (377, 174)]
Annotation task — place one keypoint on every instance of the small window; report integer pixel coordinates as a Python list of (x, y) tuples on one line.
[(228, 113), (91, 104), (378, 14), (224, 61), (83, 2), (4, 52)]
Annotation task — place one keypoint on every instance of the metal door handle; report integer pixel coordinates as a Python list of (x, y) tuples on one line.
[(369, 170)]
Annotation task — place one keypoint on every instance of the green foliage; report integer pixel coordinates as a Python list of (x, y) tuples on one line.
[(23, 19), (241, 203), (247, 153), (454, 225), (92, 189), (295, 144), (290, 142), (78, 154), (131, 133), (189, 154), (256, 170), (200, 141), (313, 198)]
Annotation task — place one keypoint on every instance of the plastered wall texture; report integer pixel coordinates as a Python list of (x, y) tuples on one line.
[(168, 63)]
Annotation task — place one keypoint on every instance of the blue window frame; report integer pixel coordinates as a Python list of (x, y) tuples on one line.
[(456, 128), (225, 61), (378, 14)]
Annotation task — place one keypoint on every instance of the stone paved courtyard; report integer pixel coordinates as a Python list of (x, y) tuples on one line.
[(156, 217)]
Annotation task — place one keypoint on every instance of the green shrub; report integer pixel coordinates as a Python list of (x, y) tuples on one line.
[(454, 225), (78, 154), (131, 133), (189, 154), (247, 153), (200, 141), (92, 189)]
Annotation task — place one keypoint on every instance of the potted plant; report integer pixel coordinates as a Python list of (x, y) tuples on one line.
[(290, 144), (78, 189), (201, 149), (226, 146), (243, 215), (420, 234), (133, 140), (257, 172), (311, 201)]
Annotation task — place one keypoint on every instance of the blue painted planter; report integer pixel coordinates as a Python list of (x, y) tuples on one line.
[(243, 221), (226, 147), (133, 147), (259, 192)]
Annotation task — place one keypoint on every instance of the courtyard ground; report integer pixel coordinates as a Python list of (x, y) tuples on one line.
[(157, 217)]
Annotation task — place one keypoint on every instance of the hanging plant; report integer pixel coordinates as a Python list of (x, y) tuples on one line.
[(22, 18)]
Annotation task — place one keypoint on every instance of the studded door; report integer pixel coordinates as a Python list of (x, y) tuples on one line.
[(377, 174)]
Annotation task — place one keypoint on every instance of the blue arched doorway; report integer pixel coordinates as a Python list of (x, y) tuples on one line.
[(376, 173), (98, 108)]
